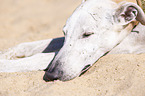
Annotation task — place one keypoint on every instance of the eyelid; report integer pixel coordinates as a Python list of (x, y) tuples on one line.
[(87, 34)]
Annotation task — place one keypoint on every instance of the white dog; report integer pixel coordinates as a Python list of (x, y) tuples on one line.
[(95, 28)]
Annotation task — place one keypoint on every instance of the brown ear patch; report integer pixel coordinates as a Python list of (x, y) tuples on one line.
[(141, 3)]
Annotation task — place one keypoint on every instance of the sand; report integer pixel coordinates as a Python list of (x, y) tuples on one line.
[(31, 20)]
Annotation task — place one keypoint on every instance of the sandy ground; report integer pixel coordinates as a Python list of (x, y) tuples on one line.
[(30, 20)]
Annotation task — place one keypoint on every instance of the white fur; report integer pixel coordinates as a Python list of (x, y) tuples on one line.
[(25, 49), (133, 43), (100, 21), (38, 61)]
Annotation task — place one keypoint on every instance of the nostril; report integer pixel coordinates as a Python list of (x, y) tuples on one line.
[(52, 76)]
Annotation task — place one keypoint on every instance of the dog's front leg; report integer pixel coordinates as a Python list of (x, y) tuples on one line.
[(30, 48), (36, 62)]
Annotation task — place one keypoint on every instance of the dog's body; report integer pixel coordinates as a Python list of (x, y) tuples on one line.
[(37, 55), (33, 56)]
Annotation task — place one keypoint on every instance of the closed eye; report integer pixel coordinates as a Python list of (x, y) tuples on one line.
[(87, 34)]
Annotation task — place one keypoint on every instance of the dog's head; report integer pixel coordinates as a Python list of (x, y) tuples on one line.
[(95, 28)]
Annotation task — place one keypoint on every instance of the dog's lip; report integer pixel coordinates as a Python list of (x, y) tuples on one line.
[(87, 67)]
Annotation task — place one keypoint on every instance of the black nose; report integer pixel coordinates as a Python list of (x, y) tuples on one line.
[(51, 76), (53, 71)]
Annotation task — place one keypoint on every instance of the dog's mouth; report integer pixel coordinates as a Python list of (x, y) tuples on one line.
[(87, 67)]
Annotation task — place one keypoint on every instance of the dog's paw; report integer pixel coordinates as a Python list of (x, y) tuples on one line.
[(19, 51)]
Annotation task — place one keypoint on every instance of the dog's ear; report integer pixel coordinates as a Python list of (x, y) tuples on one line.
[(128, 12)]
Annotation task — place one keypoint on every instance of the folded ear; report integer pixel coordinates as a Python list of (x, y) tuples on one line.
[(128, 12)]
